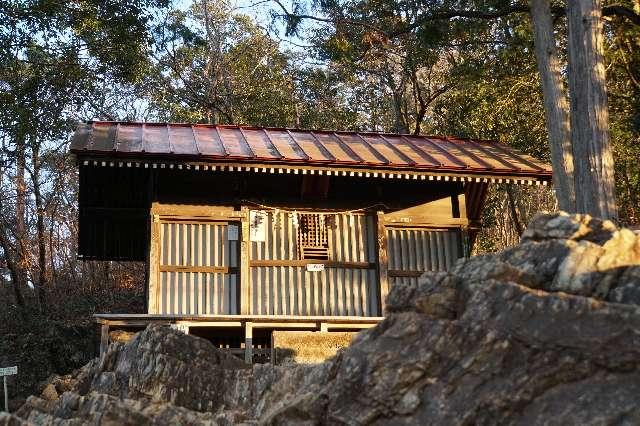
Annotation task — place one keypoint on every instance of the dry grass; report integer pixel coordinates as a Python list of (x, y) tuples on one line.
[(307, 347)]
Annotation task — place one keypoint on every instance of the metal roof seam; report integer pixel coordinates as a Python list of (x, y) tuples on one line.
[(348, 148), (321, 146), (273, 145), (399, 153), (195, 141), (224, 148), (142, 145), (445, 152), (169, 139), (246, 142), (491, 154), (421, 152), (374, 151), (517, 158), (293, 139), (469, 154)]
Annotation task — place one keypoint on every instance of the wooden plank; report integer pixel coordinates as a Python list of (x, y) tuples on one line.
[(202, 269), (195, 212), (302, 263), (154, 260), (211, 323), (333, 326), (245, 277), (248, 343), (404, 273), (108, 318), (276, 324), (383, 263)]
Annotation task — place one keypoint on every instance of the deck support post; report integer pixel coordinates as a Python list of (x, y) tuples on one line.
[(324, 327), (248, 342), (383, 265), (104, 339)]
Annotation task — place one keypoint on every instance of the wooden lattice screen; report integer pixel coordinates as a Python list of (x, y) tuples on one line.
[(313, 238)]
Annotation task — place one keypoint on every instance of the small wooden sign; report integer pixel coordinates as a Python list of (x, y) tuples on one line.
[(8, 371), (315, 267)]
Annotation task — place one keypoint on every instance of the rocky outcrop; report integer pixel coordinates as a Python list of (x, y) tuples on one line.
[(545, 332)]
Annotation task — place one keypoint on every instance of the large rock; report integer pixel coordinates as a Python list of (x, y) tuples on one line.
[(547, 332)]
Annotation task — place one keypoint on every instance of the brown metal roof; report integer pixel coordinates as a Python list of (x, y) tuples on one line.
[(324, 149)]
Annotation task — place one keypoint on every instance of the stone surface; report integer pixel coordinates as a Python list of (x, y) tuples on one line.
[(547, 332)]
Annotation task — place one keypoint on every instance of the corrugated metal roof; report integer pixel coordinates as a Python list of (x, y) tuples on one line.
[(325, 149)]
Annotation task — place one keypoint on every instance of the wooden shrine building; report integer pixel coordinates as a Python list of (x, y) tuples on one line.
[(245, 230)]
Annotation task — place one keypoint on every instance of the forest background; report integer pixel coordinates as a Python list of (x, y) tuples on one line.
[(373, 65)]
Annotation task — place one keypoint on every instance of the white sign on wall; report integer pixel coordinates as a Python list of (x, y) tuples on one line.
[(315, 267), (257, 225)]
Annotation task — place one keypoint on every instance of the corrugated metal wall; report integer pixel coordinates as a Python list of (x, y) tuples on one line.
[(292, 290), (198, 269), (419, 250)]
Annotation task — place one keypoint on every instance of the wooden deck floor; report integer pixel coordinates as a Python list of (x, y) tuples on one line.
[(243, 323)]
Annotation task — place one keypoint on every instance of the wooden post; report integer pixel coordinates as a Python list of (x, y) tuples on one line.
[(466, 242), (154, 258), (248, 342), (245, 277), (104, 339), (383, 264), (6, 394)]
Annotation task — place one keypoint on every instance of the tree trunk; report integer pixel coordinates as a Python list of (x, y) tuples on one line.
[(594, 176), (41, 287), (511, 201), (555, 105), (21, 258)]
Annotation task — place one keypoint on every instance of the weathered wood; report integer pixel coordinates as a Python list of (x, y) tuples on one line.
[(107, 318), (154, 260), (592, 152), (382, 261), (245, 273), (404, 273), (195, 212), (304, 262), (248, 343), (555, 104), (202, 269)]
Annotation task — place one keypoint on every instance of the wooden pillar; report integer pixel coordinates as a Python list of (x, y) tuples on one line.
[(466, 242), (383, 264), (154, 258), (104, 338), (245, 277), (248, 342)]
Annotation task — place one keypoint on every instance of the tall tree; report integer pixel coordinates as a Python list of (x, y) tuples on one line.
[(555, 104), (592, 153)]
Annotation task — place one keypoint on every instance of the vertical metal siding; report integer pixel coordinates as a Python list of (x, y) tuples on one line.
[(197, 245), (422, 250), (292, 290)]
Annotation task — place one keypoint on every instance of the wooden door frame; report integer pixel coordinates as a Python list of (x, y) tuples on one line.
[(163, 213)]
